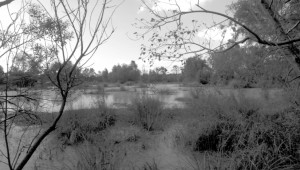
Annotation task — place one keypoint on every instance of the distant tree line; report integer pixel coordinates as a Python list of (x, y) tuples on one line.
[(242, 67)]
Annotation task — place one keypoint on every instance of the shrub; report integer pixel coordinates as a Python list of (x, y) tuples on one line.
[(142, 85), (148, 112), (122, 88), (99, 89), (236, 84), (256, 140), (80, 125), (95, 157), (151, 166), (129, 83), (164, 91), (196, 92), (105, 85)]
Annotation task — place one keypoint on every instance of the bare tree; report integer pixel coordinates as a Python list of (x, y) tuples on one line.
[(67, 33)]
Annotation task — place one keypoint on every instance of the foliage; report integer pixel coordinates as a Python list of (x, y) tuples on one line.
[(196, 92), (268, 33), (52, 41), (158, 74), (253, 138), (250, 67), (196, 69), (89, 74), (56, 66), (78, 126), (253, 14), (148, 112), (123, 88), (163, 91), (125, 73), (105, 75), (92, 157)]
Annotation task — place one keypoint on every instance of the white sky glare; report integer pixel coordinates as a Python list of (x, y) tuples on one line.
[(216, 35), (120, 48)]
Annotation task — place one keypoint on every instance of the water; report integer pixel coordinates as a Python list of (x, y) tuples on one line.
[(115, 98)]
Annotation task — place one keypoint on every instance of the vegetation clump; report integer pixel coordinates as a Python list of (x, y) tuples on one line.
[(254, 139), (80, 125), (148, 112)]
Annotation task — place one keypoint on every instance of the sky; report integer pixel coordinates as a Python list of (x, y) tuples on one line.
[(121, 48)]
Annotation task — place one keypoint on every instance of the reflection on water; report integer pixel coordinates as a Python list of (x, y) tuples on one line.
[(117, 99)]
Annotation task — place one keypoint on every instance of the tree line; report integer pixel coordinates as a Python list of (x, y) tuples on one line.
[(240, 67)]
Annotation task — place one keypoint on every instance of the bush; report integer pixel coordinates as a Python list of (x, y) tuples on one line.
[(129, 83), (196, 92), (80, 125), (142, 85), (95, 157), (254, 139), (148, 112), (122, 88), (163, 91), (105, 85)]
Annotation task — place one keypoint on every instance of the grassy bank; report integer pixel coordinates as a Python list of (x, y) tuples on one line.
[(212, 132)]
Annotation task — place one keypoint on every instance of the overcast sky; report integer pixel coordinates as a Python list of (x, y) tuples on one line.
[(121, 48)]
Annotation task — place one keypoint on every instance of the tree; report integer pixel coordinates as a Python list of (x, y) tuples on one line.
[(196, 69), (89, 74), (183, 40), (176, 70), (125, 73), (62, 32), (105, 75), (161, 70)]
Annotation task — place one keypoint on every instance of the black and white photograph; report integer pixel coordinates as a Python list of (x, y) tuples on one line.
[(149, 84)]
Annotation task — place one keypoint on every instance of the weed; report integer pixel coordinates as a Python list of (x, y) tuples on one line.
[(196, 92), (92, 157), (142, 85), (148, 112), (252, 138), (122, 88), (80, 125), (150, 166), (164, 91)]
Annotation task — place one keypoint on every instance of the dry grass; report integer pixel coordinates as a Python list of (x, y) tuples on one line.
[(242, 131), (148, 112), (81, 125)]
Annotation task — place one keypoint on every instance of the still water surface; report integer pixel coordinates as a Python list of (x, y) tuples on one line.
[(118, 99)]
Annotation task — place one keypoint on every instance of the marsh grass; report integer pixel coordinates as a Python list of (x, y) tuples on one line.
[(196, 92), (150, 166), (148, 112), (164, 91), (81, 125), (123, 88), (92, 157), (222, 132), (142, 85), (240, 129)]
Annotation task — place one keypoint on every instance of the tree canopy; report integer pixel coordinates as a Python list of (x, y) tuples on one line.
[(271, 27)]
